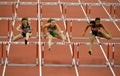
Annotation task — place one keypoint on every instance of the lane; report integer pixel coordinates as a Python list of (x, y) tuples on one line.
[(22, 54), (106, 58), (58, 71), (95, 14), (29, 11), (48, 11), (7, 0), (24, 71), (1, 68), (59, 54), (117, 71), (33, 24), (5, 25), (94, 72), (77, 13), (64, 59), (93, 1), (110, 1), (5, 9)]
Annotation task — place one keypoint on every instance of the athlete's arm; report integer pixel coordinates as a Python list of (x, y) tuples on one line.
[(89, 25), (105, 29), (30, 26), (18, 28), (58, 28), (45, 29)]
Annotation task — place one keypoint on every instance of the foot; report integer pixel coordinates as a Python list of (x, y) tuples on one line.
[(26, 42), (49, 45), (90, 52)]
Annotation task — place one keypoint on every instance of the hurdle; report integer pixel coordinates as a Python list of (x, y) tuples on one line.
[(56, 64), (2, 57), (91, 65), (113, 55), (19, 43), (8, 25)]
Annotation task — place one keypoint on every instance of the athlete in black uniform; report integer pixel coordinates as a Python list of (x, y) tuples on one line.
[(25, 30), (95, 31)]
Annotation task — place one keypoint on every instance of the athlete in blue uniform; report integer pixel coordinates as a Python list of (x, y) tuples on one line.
[(25, 30), (95, 31), (52, 29)]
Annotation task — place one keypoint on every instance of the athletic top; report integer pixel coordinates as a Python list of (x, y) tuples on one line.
[(51, 29), (94, 27), (26, 29)]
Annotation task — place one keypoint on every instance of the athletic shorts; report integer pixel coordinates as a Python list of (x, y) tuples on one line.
[(95, 32), (54, 34), (24, 34)]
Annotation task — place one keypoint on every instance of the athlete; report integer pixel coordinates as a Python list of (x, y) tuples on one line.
[(95, 31), (51, 29), (24, 29)]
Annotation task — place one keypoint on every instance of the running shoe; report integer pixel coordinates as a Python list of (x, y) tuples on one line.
[(26, 42), (90, 52)]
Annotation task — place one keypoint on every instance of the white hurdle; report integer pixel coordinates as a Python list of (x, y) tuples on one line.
[(19, 43), (77, 55)]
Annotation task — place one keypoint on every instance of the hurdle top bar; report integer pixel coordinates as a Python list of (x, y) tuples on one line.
[(64, 3), (59, 19), (62, 43)]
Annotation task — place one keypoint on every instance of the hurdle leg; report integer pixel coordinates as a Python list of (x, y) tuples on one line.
[(42, 48), (70, 29), (2, 60), (89, 10), (114, 11), (73, 49), (111, 9), (8, 28), (108, 48), (78, 54), (113, 53), (37, 60)]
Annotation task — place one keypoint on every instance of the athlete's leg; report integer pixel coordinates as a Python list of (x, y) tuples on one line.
[(107, 36), (15, 38), (49, 41), (61, 35), (27, 37), (92, 37)]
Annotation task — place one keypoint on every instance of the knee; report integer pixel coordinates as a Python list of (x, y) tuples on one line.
[(28, 34), (91, 39), (108, 37)]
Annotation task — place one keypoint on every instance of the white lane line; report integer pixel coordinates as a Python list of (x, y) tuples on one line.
[(74, 63), (10, 40), (39, 34)]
